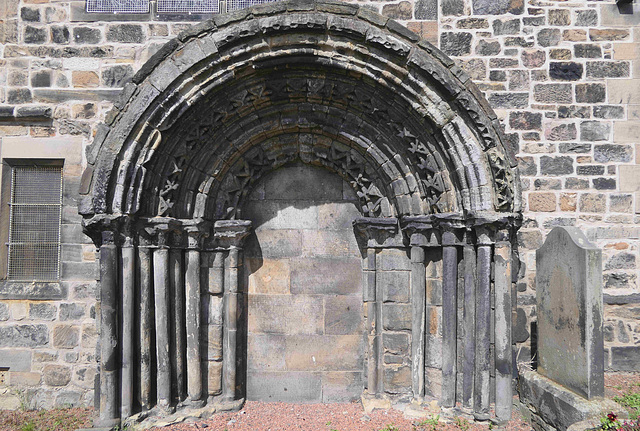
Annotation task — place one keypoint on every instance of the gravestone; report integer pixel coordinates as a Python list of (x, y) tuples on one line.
[(569, 299), (568, 386)]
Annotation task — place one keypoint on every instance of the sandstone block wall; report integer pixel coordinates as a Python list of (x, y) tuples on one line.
[(564, 78)]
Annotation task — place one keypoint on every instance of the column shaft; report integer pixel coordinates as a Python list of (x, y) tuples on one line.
[(194, 365), (161, 294), (127, 310), (502, 324), (469, 324), (230, 327), (144, 268), (449, 324), (178, 308), (108, 332), (418, 286), (369, 298), (483, 328)]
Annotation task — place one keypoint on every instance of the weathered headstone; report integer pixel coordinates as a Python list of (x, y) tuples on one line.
[(569, 299), (568, 386)]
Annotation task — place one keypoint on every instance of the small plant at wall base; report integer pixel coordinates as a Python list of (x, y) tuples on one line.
[(611, 422), (631, 400)]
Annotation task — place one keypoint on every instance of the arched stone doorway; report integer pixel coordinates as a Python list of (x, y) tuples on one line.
[(330, 85)]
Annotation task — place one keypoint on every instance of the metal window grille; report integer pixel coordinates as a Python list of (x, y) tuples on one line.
[(241, 4), (118, 6), (35, 217), (189, 6)]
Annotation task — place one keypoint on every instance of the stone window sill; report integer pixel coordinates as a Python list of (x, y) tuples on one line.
[(38, 291)]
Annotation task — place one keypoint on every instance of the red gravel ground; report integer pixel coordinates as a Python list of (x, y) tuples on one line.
[(259, 416)]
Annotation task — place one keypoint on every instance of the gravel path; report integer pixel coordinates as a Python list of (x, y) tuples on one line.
[(262, 416)]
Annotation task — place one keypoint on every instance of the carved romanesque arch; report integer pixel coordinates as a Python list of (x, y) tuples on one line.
[(326, 83)]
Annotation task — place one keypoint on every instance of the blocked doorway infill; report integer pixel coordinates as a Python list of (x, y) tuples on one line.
[(304, 320)]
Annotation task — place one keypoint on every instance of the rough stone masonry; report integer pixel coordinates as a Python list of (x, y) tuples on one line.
[(562, 77)]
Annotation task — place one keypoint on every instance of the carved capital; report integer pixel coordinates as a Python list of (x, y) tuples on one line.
[(452, 226), (160, 230), (196, 230), (421, 231), (376, 230), (108, 229), (231, 233)]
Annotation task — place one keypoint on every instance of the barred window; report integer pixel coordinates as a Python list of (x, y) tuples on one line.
[(34, 225), (118, 6)]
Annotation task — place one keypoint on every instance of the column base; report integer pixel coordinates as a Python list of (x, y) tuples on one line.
[(106, 424)]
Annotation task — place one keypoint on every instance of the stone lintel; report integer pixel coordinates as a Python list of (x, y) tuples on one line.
[(231, 233), (556, 405), (161, 228), (196, 229), (106, 228)]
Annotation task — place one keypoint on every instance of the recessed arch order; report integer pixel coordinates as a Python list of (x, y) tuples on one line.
[(321, 82), (329, 84)]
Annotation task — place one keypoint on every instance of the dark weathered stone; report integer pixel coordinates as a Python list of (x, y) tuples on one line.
[(426, 10), (559, 165), (569, 299), (607, 69), (499, 7), (42, 311), (573, 111), (524, 120), (125, 33), (72, 311), (552, 93), (117, 76), (586, 18), (35, 34), (565, 71), (59, 34), (590, 93), (590, 170), (488, 47), (87, 35), (509, 100), (30, 14), (456, 44), (402, 10), (612, 153), (498, 76), (502, 27), (608, 112), (24, 336), (595, 131), (582, 50), (549, 37), (56, 375)]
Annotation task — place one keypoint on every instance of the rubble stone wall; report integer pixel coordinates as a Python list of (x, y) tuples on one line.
[(563, 77)]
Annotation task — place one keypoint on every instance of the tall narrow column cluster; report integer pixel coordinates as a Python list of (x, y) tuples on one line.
[(150, 311), (470, 247)]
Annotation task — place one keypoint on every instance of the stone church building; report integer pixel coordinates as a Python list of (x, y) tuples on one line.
[(207, 201)]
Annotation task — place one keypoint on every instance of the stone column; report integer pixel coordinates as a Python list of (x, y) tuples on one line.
[(230, 234), (127, 283), (483, 324), (373, 325), (450, 241), (469, 318), (195, 233), (418, 287), (502, 325), (176, 269), (145, 322), (109, 362), (161, 287)]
